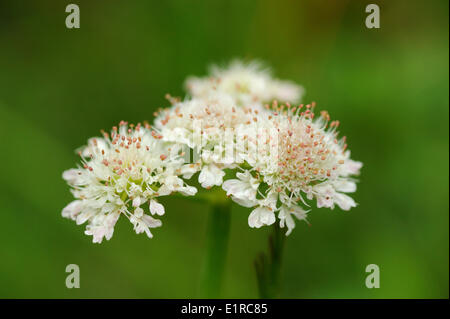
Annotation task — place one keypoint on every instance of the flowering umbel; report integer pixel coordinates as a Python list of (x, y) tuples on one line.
[(250, 85), (280, 156), (123, 173), (304, 159)]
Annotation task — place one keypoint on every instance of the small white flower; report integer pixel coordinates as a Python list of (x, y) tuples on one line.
[(144, 223), (137, 202), (343, 201), (102, 226), (286, 214), (250, 85), (261, 216), (72, 210), (328, 194), (73, 176), (210, 176), (156, 208), (243, 190)]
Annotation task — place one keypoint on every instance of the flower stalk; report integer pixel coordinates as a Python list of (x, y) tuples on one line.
[(216, 250), (268, 265)]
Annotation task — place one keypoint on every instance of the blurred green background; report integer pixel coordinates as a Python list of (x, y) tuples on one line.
[(387, 86)]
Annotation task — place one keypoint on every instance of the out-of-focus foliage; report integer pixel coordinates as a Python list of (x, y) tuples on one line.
[(388, 87)]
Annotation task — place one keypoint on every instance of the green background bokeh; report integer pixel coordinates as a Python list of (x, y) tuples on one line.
[(387, 86)]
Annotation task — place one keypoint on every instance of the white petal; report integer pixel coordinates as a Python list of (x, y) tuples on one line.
[(253, 219), (164, 190), (188, 190), (323, 201), (97, 232), (234, 187), (210, 175), (84, 216), (244, 202), (151, 222), (261, 216), (268, 217), (72, 176), (353, 167), (110, 222), (299, 212), (156, 208), (137, 202), (344, 202), (188, 170), (72, 209), (270, 200), (144, 223), (285, 216), (345, 186)]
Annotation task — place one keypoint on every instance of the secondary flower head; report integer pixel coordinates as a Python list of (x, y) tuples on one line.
[(303, 160), (205, 125), (207, 115), (250, 85), (123, 173)]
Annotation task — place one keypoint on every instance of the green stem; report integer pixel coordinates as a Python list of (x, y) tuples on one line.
[(217, 242), (268, 266)]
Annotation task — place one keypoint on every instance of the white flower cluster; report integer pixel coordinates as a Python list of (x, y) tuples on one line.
[(293, 158), (281, 155), (249, 85), (124, 173)]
